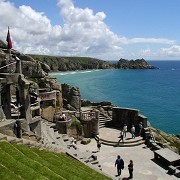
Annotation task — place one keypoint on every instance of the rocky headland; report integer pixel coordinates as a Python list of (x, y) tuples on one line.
[(134, 64), (83, 63)]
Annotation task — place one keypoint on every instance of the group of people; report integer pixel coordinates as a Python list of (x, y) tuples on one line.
[(133, 130), (120, 166)]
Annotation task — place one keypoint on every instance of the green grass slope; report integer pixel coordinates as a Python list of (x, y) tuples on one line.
[(18, 161)]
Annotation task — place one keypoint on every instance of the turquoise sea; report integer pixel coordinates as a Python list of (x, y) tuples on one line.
[(156, 93)]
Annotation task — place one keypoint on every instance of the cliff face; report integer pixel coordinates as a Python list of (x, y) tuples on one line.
[(134, 64)]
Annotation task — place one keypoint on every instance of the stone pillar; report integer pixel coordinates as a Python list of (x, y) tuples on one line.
[(2, 115), (25, 108), (63, 126), (19, 129), (18, 66), (7, 101), (96, 123)]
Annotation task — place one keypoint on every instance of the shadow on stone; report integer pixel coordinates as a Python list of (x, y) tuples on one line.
[(160, 164)]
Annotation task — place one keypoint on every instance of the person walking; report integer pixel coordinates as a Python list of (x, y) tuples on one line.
[(130, 168), (121, 137), (120, 164), (133, 132), (124, 130), (98, 145)]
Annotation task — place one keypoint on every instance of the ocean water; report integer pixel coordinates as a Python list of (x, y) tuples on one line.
[(156, 93)]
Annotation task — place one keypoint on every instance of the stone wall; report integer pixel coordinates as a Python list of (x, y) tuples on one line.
[(8, 128), (121, 116)]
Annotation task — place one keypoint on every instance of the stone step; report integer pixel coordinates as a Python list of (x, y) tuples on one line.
[(123, 144), (3, 137), (138, 139), (11, 139), (14, 140), (94, 162), (65, 137)]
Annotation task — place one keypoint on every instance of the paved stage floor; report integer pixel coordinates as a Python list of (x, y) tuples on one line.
[(144, 166)]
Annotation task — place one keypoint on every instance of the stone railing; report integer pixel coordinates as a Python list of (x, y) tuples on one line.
[(87, 116)]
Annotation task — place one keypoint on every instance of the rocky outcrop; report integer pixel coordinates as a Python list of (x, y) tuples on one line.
[(30, 67), (71, 97), (170, 141), (134, 64)]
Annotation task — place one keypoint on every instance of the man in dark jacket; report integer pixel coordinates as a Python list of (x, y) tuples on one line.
[(120, 164)]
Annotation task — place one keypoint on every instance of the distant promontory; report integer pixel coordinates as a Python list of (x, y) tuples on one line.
[(58, 63), (134, 64)]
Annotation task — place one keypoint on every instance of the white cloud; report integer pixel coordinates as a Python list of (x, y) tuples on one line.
[(173, 51), (84, 33), (146, 40)]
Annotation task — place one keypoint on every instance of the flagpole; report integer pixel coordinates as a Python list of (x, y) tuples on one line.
[(9, 42), (9, 45)]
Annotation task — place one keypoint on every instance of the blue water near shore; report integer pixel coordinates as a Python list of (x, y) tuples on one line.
[(156, 93)]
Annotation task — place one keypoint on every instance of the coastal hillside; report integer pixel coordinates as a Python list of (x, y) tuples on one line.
[(58, 63)]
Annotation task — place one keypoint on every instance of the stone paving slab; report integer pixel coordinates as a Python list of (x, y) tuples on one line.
[(144, 166)]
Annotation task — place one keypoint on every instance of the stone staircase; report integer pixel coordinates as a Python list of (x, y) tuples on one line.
[(110, 137), (103, 120), (51, 137), (127, 143)]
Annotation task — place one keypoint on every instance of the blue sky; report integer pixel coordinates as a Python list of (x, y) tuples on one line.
[(108, 30)]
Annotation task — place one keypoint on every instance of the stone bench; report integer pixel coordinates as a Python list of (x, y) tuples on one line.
[(154, 146), (171, 170)]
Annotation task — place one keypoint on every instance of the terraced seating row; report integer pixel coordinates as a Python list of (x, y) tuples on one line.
[(54, 142), (20, 162)]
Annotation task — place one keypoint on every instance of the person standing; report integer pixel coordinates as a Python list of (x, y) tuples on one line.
[(120, 164), (125, 130), (130, 168), (140, 128), (133, 132)]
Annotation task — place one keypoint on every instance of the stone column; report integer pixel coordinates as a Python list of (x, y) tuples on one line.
[(18, 66), (7, 101), (25, 108), (2, 115), (96, 123)]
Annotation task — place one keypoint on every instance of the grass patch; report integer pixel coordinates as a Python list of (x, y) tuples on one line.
[(18, 161)]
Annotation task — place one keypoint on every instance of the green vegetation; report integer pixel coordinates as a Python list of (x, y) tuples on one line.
[(61, 63), (170, 139), (76, 123), (18, 161)]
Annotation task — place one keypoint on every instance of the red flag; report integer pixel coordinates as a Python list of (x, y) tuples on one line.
[(8, 39)]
